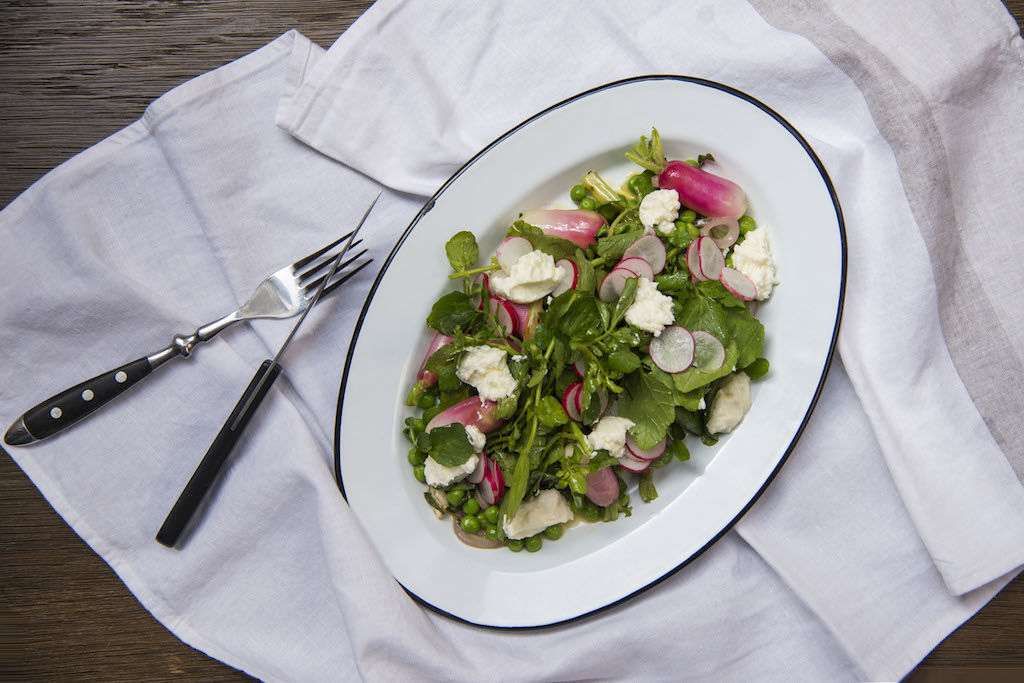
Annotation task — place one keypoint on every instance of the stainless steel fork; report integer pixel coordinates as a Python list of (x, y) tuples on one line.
[(283, 294)]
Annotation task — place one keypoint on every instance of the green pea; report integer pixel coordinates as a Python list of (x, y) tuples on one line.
[(456, 497), (588, 203), (554, 532), (624, 500), (425, 402), (533, 544), (416, 423), (493, 533), (415, 457), (418, 472), (747, 224), (471, 507), (591, 512), (514, 545), (578, 193), (689, 216), (491, 514), (470, 524)]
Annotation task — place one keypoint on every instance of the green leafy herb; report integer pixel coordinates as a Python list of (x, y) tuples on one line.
[(627, 221), (453, 311), (703, 159), (623, 361), (449, 445), (550, 412), (757, 369), (690, 420), (626, 300), (612, 247), (600, 189), (556, 246), (647, 490), (587, 280), (648, 154), (649, 402), (711, 308), (581, 319), (462, 251), (675, 283), (693, 378), (678, 450)]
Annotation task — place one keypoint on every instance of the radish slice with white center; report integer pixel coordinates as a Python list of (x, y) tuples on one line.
[(650, 453), (708, 352), (693, 261), (638, 265), (738, 284), (673, 350), (505, 314), (473, 411), (615, 282), (602, 487), (650, 249), (606, 292), (602, 396), (511, 250), (709, 258), (569, 275), (492, 488), (478, 474), (633, 464), (724, 231), (570, 398)]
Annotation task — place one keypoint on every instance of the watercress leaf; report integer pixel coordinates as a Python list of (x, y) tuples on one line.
[(555, 246), (648, 154), (449, 445), (627, 222), (649, 402), (507, 406), (454, 310), (612, 247), (678, 450), (550, 412), (646, 489), (586, 281), (690, 420), (623, 361), (704, 158), (581, 321), (757, 369), (675, 283), (462, 251), (600, 461), (691, 379)]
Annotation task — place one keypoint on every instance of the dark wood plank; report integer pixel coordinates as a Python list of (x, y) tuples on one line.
[(71, 73)]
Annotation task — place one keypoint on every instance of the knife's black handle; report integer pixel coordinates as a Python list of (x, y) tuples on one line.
[(71, 405), (206, 474)]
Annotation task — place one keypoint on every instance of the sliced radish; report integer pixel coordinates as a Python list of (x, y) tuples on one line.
[(511, 250), (602, 396), (602, 487), (576, 225), (693, 261), (651, 249), (650, 453), (738, 284), (580, 368), (709, 258), (633, 464), (705, 193), (569, 276), (473, 411), (638, 265), (505, 313), (614, 283), (478, 473), (606, 292), (673, 350), (570, 400), (492, 488), (724, 231), (708, 352)]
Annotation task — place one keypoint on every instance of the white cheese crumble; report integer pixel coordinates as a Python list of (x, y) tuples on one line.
[(730, 404), (531, 277), (477, 439), (484, 368), (609, 434), (651, 310), (753, 258), (439, 475), (659, 210), (537, 514)]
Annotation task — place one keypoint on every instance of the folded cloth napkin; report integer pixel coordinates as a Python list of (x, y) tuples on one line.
[(847, 569)]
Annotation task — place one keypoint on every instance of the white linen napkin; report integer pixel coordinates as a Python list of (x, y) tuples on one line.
[(173, 220)]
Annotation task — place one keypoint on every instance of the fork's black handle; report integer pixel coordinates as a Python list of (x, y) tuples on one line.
[(206, 474), (71, 405)]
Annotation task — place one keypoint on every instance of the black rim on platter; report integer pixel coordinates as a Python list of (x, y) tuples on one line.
[(803, 423)]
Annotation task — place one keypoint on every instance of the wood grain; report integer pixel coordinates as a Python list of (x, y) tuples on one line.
[(71, 73)]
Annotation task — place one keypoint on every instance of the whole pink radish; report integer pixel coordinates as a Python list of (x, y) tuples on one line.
[(576, 225), (472, 412), (705, 193)]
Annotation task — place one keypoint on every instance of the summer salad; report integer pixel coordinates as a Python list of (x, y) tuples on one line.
[(584, 351)]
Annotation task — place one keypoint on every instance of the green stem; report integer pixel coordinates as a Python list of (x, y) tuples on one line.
[(474, 271)]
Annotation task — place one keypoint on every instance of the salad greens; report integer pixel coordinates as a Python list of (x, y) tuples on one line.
[(576, 354)]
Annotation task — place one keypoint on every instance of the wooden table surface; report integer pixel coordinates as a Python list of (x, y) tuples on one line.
[(71, 73)]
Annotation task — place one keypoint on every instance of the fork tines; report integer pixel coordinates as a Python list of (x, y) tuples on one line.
[(340, 276)]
